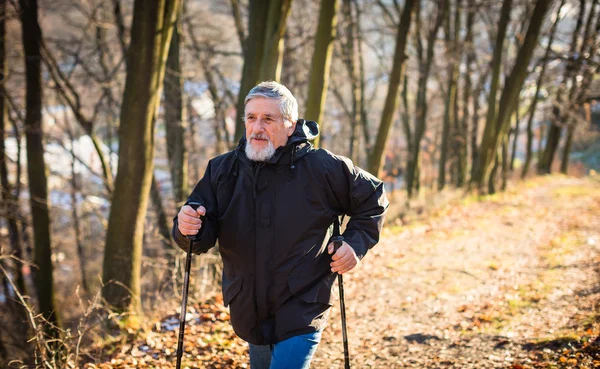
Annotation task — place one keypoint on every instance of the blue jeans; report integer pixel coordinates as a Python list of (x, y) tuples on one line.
[(294, 353)]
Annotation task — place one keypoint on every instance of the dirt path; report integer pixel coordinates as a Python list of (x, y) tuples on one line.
[(509, 282)]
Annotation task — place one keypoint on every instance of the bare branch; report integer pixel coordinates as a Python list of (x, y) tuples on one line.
[(120, 26), (389, 17), (239, 25)]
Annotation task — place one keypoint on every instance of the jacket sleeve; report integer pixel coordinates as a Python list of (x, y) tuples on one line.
[(204, 194), (362, 197)]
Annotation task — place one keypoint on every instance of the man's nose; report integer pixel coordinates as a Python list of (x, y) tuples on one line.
[(260, 124)]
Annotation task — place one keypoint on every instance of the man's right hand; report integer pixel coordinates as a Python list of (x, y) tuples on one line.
[(188, 220)]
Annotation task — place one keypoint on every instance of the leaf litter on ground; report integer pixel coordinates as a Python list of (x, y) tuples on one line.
[(508, 281)]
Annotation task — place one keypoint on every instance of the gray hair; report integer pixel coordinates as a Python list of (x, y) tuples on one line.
[(288, 106)]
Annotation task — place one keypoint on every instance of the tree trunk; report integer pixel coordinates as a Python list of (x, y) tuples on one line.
[(163, 222), (396, 77), (107, 90), (493, 175), (564, 164), (120, 26), (505, 168), (220, 125), (239, 24), (361, 77), (540, 148), (515, 138), (540, 80), (406, 117), (469, 49), (272, 60), (412, 171), (321, 62), (175, 122), (592, 41), (9, 200), (484, 152), (510, 94), (554, 134), (459, 149), (475, 122), (452, 54), (349, 58), (261, 46), (3, 351), (74, 209), (192, 134), (555, 131), (587, 41), (587, 46), (36, 166), (151, 35), (450, 91)]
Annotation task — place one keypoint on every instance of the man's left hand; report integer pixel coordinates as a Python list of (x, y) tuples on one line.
[(344, 259)]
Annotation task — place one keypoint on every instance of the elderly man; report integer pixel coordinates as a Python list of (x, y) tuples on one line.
[(271, 204)]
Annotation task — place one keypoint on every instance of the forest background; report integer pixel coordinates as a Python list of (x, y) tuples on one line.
[(110, 110)]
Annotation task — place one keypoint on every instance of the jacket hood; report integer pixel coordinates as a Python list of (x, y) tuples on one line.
[(306, 130)]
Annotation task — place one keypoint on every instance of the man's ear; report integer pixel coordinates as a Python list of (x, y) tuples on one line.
[(291, 128)]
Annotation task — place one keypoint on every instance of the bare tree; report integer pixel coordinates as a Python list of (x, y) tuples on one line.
[(321, 62), (264, 49), (425, 61), (536, 95), (396, 78), (75, 189), (120, 25), (10, 207), (36, 166), (73, 100), (450, 130), (239, 24), (477, 175), (589, 47), (151, 36), (498, 127), (205, 54), (9, 200), (175, 117), (555, 131), (515, 135), (349, 58)]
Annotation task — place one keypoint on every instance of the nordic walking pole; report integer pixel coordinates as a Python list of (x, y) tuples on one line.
[(184, 294), (337, 243)]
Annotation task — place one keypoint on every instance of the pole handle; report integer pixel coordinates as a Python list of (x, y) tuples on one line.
[(195, 205), (337, 242)]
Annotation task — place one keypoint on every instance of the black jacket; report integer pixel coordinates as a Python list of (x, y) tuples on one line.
[(272, 220)]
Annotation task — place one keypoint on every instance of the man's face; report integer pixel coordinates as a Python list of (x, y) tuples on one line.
[(264, 124)]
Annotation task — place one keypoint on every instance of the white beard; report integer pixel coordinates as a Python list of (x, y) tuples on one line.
[(256, 154)]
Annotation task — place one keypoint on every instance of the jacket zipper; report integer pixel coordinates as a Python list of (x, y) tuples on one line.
[(257, 169)]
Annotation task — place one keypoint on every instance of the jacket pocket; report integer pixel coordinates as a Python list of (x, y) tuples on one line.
[(312, 288), (231, 287)]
